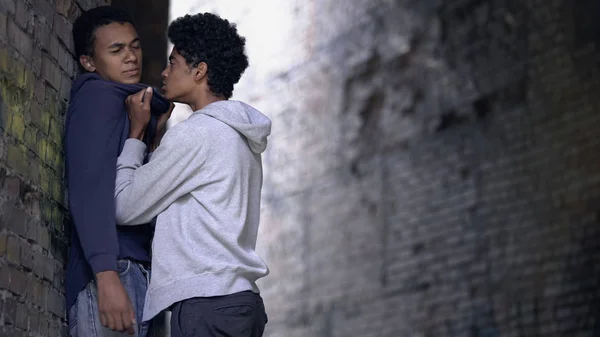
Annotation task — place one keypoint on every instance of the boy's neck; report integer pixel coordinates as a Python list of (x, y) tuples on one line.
[(203, 100)]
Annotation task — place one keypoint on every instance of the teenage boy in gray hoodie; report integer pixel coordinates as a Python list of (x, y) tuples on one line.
[(203, 184)]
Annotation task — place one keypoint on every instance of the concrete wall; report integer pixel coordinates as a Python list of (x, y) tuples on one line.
[(433, 168), (36, 68)]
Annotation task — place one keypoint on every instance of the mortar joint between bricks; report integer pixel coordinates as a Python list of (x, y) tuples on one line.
[(24, 179)]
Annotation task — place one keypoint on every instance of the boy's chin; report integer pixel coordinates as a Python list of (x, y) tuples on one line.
[(163, 91), (131, 79), (169, 96)]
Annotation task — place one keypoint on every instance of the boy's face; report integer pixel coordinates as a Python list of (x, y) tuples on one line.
[(179, 79), (117, 54)]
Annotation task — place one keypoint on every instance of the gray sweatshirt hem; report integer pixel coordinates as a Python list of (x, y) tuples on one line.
[(203, 285)]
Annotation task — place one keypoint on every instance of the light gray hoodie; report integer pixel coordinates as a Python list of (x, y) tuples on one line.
[(204, 185)]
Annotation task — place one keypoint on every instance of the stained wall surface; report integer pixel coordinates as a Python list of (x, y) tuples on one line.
[(36, 70)]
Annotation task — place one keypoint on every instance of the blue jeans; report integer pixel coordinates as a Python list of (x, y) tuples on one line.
[(84, 319)]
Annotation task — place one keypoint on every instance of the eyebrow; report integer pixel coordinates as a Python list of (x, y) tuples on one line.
[(121, 44)]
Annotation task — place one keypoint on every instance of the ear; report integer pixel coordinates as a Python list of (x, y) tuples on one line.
[(87, 63), (201, 71)]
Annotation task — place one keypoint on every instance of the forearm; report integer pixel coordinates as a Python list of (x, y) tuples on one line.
[(144, 191), (126, 199), (137, 131)]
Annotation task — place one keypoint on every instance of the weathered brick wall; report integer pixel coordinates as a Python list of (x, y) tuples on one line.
[(36, 68), (434, 167)]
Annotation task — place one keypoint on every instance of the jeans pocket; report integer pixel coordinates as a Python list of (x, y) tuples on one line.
[(123, 267), (235, 310)]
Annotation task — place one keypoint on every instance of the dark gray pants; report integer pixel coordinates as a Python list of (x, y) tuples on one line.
[(236, 315)]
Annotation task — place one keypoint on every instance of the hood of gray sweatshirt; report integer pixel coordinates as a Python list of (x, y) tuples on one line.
[(245, 119)]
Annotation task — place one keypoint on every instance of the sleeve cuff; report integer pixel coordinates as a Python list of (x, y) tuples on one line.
[(134, 151), (103, 262)]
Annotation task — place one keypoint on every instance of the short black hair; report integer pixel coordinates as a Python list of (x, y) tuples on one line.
[(84, 28), (215, 41)]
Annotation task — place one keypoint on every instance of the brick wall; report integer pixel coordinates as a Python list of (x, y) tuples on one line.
[(36, 68), (434, 167)]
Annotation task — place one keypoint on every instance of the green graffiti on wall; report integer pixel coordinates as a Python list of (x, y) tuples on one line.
[(33, 131)]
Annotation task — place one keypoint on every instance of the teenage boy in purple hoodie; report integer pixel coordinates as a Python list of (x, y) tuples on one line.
[(108, 265)]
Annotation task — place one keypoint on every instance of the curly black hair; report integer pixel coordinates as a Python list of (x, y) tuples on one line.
[(84, 28), (215, 41)]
